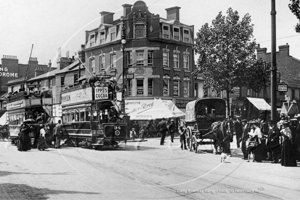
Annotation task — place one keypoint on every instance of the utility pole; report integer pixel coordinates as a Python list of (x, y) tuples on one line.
[(274, 65)]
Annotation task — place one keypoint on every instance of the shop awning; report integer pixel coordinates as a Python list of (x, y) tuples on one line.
[(3, 119), (259, 103)]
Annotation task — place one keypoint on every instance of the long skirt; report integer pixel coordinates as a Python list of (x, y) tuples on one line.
[(287, 154), (42, 145)]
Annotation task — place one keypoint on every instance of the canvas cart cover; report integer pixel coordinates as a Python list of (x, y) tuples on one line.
[(190, 112), (259, 103)]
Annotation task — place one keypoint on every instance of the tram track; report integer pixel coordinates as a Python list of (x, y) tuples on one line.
[(135, 177)]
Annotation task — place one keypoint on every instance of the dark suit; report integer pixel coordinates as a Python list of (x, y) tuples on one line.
[(238, 129), (244, 138), (162, 128), (273, 143)]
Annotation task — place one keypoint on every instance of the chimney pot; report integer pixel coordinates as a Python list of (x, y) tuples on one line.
[(126, 9), (107, 17)]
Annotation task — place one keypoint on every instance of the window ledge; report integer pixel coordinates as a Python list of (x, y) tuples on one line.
[(186, 70), (177, 69), (166, 68)]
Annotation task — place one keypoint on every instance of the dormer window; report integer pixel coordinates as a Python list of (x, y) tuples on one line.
[(166, 32), (186, 35), (92, 39), (176, 35), (102, 37)]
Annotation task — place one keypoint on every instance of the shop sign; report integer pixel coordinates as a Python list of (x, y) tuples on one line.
[(282, 87), (76, 96), (180, 103), (101, 93), (130, 76), (15, 105)]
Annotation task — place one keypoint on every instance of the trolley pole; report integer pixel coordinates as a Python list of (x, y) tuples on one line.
[(274, 65)]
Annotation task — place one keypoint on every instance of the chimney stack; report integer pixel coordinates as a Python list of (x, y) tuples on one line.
[(173, 13), (285, 49), (126, 9), (107, 17)]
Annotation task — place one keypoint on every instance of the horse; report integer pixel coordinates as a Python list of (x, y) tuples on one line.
[(221, 133)]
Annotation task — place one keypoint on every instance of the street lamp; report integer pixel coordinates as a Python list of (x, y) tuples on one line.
[(123, 42)]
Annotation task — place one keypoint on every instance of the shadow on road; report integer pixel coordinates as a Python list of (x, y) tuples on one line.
[(22, 191), (7, 173), (130, 147)]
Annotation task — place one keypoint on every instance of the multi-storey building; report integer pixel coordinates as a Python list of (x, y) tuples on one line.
[(288, 68), (155, 62), (11, 71)]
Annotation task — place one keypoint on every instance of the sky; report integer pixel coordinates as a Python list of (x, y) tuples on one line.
[(52, 24)]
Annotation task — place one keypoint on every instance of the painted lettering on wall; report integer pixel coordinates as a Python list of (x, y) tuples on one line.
[(5, 73)]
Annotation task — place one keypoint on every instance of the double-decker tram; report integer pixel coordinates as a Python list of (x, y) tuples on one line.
[(91, 116), (27, 107)]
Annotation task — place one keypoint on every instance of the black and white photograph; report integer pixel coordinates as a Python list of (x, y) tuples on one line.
[(149, 100)]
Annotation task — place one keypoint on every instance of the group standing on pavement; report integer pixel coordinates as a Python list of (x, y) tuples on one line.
[(271, 141)]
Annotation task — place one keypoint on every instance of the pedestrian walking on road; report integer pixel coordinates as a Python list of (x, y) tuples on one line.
[(132, 134), (172, 130), (183, 133), (58, 134), (42, 145), (162, 128)]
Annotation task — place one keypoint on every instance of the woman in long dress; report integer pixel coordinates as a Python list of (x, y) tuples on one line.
[(24, 142), (287, 158)]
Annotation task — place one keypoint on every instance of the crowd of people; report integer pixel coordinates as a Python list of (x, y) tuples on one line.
[(278, 142), (39, 136)]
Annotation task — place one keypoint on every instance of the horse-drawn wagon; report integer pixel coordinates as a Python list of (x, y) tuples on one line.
[(206, 119)]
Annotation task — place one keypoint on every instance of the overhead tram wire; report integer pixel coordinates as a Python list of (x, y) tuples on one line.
[(280, 38)]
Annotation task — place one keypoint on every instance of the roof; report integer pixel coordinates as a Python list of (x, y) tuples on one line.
[(71, 67), (45, 75), (19, 80)]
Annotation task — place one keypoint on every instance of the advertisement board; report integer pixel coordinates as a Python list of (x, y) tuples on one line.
[(77, 96)]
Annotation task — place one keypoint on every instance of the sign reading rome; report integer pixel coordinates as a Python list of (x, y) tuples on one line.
[(5, 73), (101, 93)]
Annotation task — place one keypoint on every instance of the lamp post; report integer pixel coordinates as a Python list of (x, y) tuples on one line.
[(123, 42), (273, 60)]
